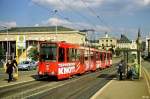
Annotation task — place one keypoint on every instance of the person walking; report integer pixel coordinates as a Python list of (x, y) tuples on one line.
[(10, 65), (120, 70), (15, 62)]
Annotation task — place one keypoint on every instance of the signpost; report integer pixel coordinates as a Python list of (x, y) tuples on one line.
[(20, 45)]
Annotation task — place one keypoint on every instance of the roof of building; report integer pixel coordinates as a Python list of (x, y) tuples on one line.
[(123, 39), (36, 29)]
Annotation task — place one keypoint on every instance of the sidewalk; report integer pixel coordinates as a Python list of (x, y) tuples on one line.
[(26, 78), (125, 89)]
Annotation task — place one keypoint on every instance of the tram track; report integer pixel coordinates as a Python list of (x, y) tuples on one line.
[(77, 87), (34, 89)]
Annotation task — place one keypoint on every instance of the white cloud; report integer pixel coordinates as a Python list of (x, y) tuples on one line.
[(105, 7), (76, 25), (147, 2), (36, 25), (8, 24), (99, 29), (64, 4), (143, 2), (56, 21)]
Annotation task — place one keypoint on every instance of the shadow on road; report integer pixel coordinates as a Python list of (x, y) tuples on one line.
[(107, 76), (45, 78)]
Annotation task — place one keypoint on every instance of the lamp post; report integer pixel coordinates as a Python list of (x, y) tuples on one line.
[(138, 41), (55, 12)]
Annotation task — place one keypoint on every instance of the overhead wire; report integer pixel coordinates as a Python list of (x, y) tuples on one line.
[(78, 13), (95, 14), (74, 24), (52, 11), (93, 28)]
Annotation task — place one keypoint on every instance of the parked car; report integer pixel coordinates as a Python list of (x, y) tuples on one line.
[(27, 65)]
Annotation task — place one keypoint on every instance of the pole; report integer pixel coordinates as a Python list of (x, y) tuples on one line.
[(56, 25), (7, 46), (138, 54)]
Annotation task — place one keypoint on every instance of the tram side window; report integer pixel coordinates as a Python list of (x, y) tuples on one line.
[(101, 56), (71, 55), (77, 55), (104, 56), (85, 55), (110, 56), (97, 56), (61, 54), (92, 55)]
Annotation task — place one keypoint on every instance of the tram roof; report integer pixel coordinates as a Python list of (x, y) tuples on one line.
[(70, 45)]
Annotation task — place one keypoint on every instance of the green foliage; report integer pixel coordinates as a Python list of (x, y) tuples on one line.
[(117, 51), (1, 53), (33, 54)]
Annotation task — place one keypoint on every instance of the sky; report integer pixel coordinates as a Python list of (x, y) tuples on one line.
[(115, 17)]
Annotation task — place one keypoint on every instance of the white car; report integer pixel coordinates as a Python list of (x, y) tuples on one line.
[(27, 65)]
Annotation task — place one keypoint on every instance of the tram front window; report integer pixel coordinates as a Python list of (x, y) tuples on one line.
[(48, 52)]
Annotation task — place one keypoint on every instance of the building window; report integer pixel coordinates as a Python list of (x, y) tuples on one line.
[(110, 40), (106, 40)]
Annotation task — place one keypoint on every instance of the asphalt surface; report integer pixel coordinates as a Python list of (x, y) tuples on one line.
[(78, 87), (22, 73)]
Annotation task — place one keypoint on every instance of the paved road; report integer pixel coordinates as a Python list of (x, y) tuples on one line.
[(146, 64), (79, 87), (4, 76)]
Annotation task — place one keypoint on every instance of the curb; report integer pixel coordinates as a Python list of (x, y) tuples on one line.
[(96, 95), (147, 78)]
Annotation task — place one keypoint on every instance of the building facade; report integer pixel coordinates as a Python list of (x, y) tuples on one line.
[(124, 42), (147, 47), (107, 42), (34, 35)]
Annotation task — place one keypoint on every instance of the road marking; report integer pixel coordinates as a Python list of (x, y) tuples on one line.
[(96, 96), (147, 78)]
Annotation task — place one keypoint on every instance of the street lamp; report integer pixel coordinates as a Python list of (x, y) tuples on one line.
[(55, 12), (138, 41)]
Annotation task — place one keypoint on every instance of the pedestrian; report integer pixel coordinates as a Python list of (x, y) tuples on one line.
[(10, 65), (120, 69), (15, 62)]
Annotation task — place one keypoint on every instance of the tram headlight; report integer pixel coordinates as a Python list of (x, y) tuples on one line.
[(47, 66), (40, 72), (52, 73)]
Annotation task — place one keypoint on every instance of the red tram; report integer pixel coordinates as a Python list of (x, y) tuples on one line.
[(62, 60)]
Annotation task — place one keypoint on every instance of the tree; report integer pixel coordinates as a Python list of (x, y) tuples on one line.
[(33, 53), (1, 53), (117, 51)]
